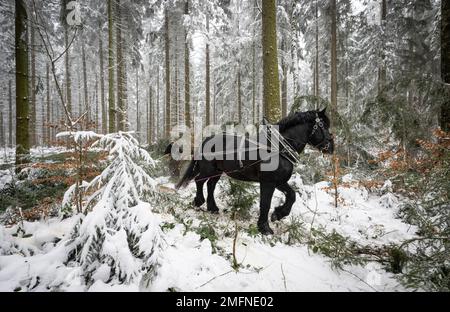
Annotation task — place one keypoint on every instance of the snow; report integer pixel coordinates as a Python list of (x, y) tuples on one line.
[(38, 260)]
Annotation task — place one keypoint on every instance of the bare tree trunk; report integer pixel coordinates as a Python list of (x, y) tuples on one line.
[(272, 109), (87, 106), (445, 62), (208, 78), (284, 83), (67, 60), (333, 61), (32, 125), (316, 65), (121, 71), (10, 117), (22, 104), (239, 95), (47, 77), (2, 131), (158, 123), (168, 124), (111, 102), (102, 86), (138, 119), (187, 78), (382, 68)]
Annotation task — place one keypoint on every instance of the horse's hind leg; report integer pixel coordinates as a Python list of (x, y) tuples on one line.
[(285, 209), (266, 190), (211, 202), (199, 197)]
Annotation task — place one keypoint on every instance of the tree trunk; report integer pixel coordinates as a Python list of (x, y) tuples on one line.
[(150, 117), (102, 86), (87, 106), (316, 65), (239, 95), (445, 62), (187, 78), (22, 103), (111, 102), (271, 92), (284, 83), (121, 71), (157, 124), (382, 69), (167, 125), (10, 117), (333, 61), (48, 120), (67, 60), (2, 131), (32, 126), (254, 89), (138, 119), (208, 78)]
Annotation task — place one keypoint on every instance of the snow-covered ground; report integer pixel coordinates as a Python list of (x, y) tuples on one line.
[(32, 262)]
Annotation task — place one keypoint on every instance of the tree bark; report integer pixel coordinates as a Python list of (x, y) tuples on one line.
[(382, 69), (445, 63), (102, 85), (32, 125), (168, 124), (87, 106), (111, 102), (284, 84), (22, 101), (10, 117), (67, 60), (271, 91), (208, 78), (239, 94), (48, 116), (121, 71), (187, 78), (316, 65), (138, 119), (333, 61)]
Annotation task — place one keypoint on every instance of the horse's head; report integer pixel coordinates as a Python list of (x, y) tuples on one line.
[(320, 136)]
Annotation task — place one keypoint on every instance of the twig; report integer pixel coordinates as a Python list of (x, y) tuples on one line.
[(209, 281), (284, 277), (374, 289)]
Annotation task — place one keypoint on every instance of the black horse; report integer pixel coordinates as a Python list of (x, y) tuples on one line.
[(298, 129)]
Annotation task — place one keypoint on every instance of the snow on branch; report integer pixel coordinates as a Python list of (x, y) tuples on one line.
[(119, 239)]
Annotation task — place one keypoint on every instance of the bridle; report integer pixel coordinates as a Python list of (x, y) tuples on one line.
[(319, 125)]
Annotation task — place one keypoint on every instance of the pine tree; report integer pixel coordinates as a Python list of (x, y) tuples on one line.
[(22, 101), (111, 102), (187, 79), (168, 116), (271, 97), (445, 62), (333, 43)]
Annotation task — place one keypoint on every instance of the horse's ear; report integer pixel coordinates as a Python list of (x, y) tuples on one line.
[(322, 112)]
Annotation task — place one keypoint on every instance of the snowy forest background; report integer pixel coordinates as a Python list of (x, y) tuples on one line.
[(89, 91)]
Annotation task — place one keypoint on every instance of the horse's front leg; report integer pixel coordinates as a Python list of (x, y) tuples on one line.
[(211, 202), (285, 209), (199, 199), (266, 193)]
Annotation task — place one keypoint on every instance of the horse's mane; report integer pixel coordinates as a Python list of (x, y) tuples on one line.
[(295, 119)]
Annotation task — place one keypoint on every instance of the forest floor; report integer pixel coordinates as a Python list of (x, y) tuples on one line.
[(198, 252)]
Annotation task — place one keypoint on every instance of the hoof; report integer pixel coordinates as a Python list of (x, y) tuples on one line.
[(277, 215), (198, 202), (214, 211), (265, 229)]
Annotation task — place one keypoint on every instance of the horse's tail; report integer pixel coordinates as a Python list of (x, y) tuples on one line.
[(191, 172)]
